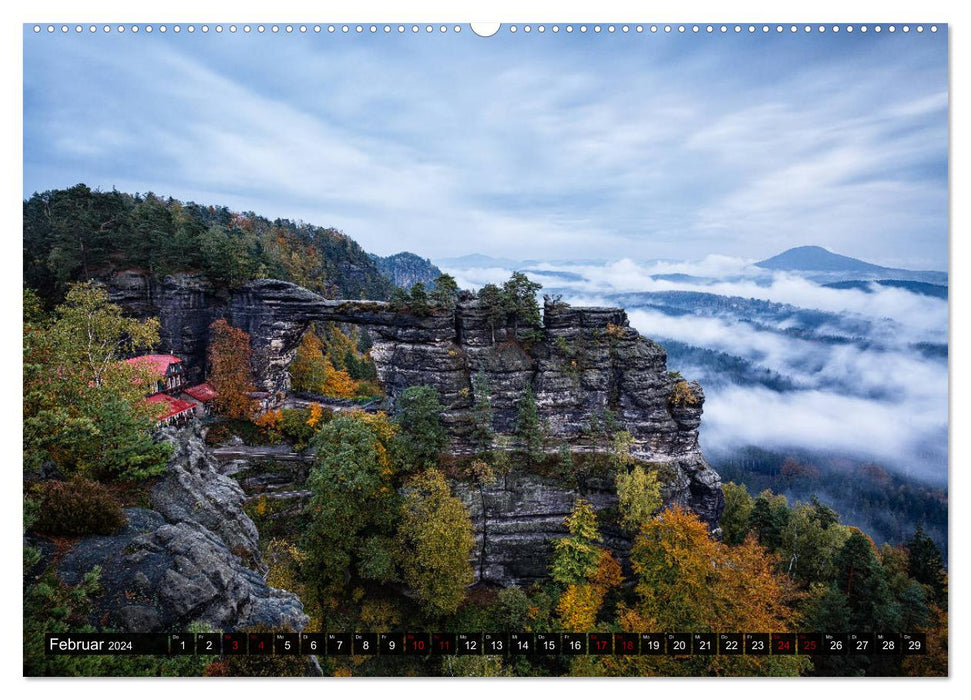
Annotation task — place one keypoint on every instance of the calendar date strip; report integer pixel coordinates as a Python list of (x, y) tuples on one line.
[(488, 643)]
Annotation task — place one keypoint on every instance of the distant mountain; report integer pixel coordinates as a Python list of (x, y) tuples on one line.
[(404, 269), (937, 291), (823, 265), (812, 258)]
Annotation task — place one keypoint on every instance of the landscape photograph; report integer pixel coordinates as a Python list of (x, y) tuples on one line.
[(574, 350)]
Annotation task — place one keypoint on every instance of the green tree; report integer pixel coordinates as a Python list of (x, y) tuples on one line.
[(861, 578), (483, 432), (639, 497), (353, 502), (399, 300), (519, 299), (226, 257), (806, 548), (446, 292), (84, 409), (435, 540), (770, 513), (926, 566), (418, 302), (491, 299), (421, 436), (529, 430), (734, 522)]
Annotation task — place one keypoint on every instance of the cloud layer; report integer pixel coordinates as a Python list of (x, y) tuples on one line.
[(861, 388)]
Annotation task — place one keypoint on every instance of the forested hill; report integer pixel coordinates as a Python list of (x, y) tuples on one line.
[(405, 269), (80, 233)]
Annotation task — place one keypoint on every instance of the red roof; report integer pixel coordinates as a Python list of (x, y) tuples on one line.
[(171, 405), (158, 363), (202, 392)]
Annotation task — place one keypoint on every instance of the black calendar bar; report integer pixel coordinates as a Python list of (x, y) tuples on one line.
[(496, 643)]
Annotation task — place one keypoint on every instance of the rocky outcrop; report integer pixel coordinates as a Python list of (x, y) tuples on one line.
[(579, 363), (193, 558), (194, 490)]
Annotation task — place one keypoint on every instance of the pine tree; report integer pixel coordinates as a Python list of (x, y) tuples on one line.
[(491, 299), (421, 436), (446, 292), (483, 432), (418, 302), (529, 430), (925, 565)]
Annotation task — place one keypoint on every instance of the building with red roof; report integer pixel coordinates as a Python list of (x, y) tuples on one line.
[(168, 370), (171, 410), (203, 393)]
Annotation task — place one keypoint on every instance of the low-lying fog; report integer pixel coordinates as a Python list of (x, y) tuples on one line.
[(867, 376)]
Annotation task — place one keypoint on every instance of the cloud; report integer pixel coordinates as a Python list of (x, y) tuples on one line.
[(552, 146), (873, 396)]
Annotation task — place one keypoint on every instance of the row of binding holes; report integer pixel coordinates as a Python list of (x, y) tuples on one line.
[(442, 29)]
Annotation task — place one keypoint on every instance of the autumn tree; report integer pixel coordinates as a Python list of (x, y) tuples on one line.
[(688, 581), (84, 409), (576, 556), (585, 569), (421, 436), (308, 371), (338, 382), (435, 539), (639, 497), (230, 369)]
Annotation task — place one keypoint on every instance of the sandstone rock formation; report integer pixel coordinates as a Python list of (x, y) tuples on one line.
[(586, 360), (194, 557)]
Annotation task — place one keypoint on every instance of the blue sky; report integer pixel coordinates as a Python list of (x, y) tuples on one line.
[(546, 146)]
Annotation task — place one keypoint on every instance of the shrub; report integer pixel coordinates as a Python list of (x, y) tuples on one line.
[(76, 508), (682, 395)]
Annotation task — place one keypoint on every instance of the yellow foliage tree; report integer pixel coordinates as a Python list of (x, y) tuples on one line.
[(338, 382)]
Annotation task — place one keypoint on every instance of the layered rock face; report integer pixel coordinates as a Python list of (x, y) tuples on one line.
[(579, 363), (193, 557)]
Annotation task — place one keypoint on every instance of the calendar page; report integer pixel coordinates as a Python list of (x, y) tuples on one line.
[(510, 350)]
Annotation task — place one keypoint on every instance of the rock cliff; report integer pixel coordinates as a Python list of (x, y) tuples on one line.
[(580, 362), (193, 557)]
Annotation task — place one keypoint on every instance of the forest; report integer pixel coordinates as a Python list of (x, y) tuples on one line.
[(78, 233)]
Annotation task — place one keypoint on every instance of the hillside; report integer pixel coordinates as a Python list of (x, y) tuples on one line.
[(405, 269), (80, 233)]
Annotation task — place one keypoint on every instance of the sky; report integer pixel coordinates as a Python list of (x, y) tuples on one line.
[(548, 146)]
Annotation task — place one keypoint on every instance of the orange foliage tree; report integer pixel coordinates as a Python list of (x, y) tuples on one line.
[(689, 582), (230, 371)]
